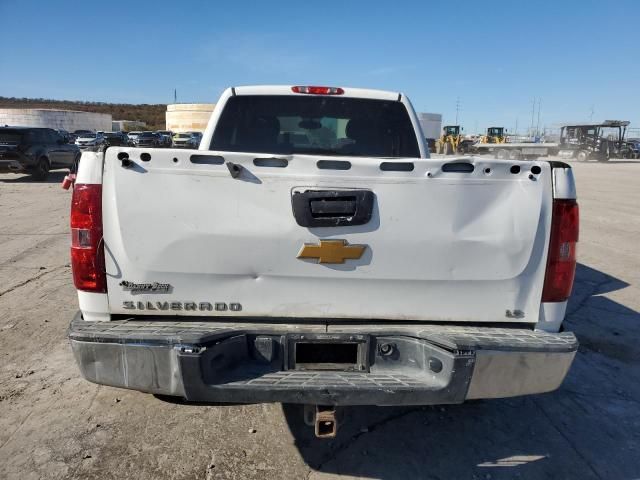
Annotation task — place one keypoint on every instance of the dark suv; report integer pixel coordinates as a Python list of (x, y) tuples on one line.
[(116, 139), (36, 151), (146, 139)]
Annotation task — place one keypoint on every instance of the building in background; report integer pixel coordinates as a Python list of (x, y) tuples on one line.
[(69, 120), (127, 125), (431, 124), (188, 117)]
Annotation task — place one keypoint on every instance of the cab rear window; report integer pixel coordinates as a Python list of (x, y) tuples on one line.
[(286, 124), (10, 137)]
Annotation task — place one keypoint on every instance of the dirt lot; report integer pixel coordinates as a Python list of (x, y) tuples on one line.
[(53, 424)]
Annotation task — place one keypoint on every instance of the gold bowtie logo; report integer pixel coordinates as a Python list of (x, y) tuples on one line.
[(332, 251)]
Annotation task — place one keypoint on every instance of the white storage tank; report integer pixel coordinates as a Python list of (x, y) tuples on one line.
[(69, 120), (431, 124), (188, 117)]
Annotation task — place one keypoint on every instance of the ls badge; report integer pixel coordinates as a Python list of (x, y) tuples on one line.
[(332, 251)]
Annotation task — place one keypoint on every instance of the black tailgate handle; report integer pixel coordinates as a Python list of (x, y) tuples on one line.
[(332, 208)]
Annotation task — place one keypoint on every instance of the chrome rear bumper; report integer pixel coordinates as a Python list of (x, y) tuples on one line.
[(216, 361)]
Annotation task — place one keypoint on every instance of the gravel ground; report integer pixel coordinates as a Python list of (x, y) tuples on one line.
[(53, 424)]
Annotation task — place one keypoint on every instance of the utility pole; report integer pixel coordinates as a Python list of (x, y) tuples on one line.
[(591, 112), (538, 124), (175, 95), (515, 132), (533, 112), (457, 109)]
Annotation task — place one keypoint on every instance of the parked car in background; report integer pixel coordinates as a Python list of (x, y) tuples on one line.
[(116, 139), (633, 148), (146, 139), (68, 137), (185, 140), (131, 136), (198, 137), (77, 133), (36, 151), (165, 136), (91, 140)]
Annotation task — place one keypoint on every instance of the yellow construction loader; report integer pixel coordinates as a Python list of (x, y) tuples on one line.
[(450, 141), (494, 135)]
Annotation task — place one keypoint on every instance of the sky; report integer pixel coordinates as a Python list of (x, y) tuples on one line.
[(581, 58)]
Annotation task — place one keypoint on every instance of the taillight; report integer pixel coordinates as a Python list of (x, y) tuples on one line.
[(313, 90), (561, 261), (87, 247)]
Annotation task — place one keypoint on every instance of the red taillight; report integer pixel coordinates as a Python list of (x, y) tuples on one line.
[(87, 248), (561, 261), (313, 90)]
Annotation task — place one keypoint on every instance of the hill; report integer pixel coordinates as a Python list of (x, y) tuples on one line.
[(152, 114)]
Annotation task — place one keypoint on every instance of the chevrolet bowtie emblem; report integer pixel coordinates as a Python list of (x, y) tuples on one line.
[(332, 251)]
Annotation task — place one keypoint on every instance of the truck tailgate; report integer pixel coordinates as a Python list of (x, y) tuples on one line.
[(183, 236)]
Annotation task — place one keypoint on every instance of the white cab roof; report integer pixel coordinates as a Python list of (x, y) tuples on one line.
[(286, 90)]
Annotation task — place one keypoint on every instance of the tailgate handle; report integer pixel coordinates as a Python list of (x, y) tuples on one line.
[(332, 208)]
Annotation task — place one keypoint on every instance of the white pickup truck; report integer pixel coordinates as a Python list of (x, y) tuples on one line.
[(311, 252)]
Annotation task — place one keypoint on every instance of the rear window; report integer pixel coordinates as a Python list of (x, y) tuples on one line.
[(316, 125), (10, 137)]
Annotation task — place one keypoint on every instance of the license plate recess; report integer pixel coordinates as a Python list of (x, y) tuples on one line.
[(327, 352)]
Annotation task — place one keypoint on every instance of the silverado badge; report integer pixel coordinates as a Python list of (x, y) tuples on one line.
[(332, 251)]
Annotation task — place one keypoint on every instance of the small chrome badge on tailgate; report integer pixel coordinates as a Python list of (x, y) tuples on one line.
[(146, 287)]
